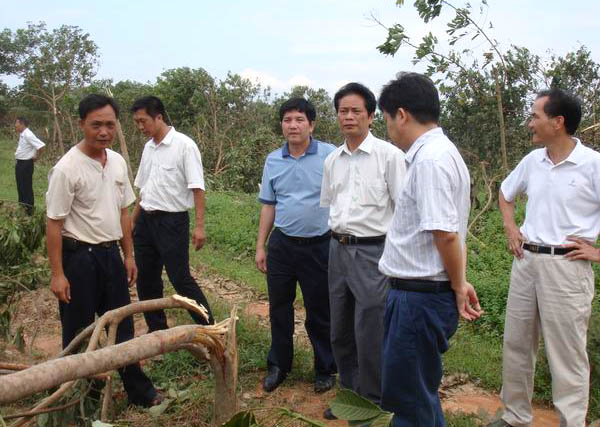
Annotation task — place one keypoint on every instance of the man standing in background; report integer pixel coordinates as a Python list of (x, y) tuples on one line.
[(361, 179), (171, 181), (28, 151), (298, 246)]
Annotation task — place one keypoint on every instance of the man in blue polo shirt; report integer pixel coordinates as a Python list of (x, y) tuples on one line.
[(298, 248)]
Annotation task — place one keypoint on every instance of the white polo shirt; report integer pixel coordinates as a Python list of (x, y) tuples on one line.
[(28, 145), (89, 197), (562, 200), (435, 196), (360, 187), (168, 172)]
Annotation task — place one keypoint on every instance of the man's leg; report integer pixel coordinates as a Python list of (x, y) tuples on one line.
[(173, 243), (565, 294), (341, 301), (24, 177), (138, 386), (150, 266), (521, 341), (312, 272), (370, 288), (281, 282)]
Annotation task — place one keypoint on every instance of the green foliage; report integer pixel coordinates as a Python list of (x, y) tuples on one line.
[(355, 409), (20, 234)]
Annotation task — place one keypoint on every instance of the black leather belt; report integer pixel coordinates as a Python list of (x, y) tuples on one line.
[(348, 239), (72, 244), (550, 250), (307, 240), (416, 285), (157, 212)]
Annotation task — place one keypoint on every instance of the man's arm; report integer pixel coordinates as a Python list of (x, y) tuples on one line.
[(454, 258), (198, 236), (513, 234), (127, 246), (583, 250), (136, 214), (59, 285), (265, 224), (38, 154)]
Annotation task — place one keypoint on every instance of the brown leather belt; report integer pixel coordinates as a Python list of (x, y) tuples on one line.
[(348, 239)]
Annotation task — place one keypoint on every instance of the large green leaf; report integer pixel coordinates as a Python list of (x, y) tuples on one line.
[(349, 406), (384, 420)]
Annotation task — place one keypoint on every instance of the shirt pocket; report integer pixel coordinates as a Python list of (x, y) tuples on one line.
[(167, 175), (373, 193)]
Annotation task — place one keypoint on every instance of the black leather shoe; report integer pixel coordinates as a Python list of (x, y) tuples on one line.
[(328, 415), (273, 379), (324, 383)]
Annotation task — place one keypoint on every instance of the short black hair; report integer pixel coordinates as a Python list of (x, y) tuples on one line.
[(22, 120), (152, 105), (298, 104), (356, 89), (414, 92), (94, 102), (565, 104)]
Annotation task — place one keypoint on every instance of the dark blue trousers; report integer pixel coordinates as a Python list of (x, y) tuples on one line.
[(98, 284), (163, 239), (289, 262), (24, 178), (417, 329)]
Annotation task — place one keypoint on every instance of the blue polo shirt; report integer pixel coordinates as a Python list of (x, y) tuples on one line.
[(294, 187)]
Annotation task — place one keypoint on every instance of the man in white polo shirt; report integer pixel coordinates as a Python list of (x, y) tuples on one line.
[(171, 181), (28, 151), (87, 208), (552, 283), (361, 179)]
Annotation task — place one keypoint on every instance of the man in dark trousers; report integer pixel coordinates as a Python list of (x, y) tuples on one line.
[(298, 246), (87, 208), (171, 181), (28, 151)]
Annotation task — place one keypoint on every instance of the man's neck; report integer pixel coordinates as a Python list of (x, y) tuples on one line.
[(353, 142), (162, 132), (95, 154), (560, 148), (415, 133), (296, 150)]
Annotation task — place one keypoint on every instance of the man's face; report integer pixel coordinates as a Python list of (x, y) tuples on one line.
[(353, 117), (393, 128), (99, 128), (296, 127), (542, 127), (19, 127), (146, 124)]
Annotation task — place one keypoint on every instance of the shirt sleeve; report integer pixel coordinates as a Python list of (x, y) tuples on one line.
[(141, 175), (325, 201), (435, 204), (34, 141), (516, 182), (267, 192), (395, 172), (59, 198), (192, 164)]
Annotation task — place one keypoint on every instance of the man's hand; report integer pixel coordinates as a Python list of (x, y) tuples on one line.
[(583, 250), (60, 287), (467, 302), (261, 260), (131, 270), (515, 240), (198, 237)]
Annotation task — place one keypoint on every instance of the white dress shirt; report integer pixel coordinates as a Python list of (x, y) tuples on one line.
[(562, 200), (360, 187), (28, 145), (168, 172), (435, 196)]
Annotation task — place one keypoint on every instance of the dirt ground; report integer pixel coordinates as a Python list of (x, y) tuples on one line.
[(37, 316)]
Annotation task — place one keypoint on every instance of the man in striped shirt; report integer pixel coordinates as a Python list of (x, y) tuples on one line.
[(424, 254)]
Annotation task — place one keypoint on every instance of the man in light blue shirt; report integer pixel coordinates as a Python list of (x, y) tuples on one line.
[(298, 249)]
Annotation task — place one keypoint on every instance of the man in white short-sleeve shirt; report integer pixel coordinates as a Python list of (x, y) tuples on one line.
[(28, 151), (171, 181), (552, 283), (87, 208)]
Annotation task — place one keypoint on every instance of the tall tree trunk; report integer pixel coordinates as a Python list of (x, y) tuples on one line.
[(124, 150), (58, 131), (501, 124)]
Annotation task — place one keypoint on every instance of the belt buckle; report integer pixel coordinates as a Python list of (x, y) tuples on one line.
[(534, 248), (344, 239)]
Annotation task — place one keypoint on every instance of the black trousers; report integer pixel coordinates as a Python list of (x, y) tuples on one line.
[(163, 239), (24, 178), (289, 262), (98, 284)]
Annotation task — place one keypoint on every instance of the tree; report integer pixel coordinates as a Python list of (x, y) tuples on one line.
[(51, 63)]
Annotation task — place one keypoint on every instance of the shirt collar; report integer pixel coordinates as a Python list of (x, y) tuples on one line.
[(421, 141), (366, 145), (576, 156), (313, 147), (166, 140)]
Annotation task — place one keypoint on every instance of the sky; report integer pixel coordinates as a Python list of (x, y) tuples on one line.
[(319, 43)]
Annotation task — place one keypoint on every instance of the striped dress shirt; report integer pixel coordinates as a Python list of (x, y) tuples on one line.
[(435, 196)]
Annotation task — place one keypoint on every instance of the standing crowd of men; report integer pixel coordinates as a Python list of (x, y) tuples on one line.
[(373, 232)]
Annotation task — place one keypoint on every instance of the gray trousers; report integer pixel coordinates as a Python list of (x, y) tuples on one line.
[(357, 294)]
